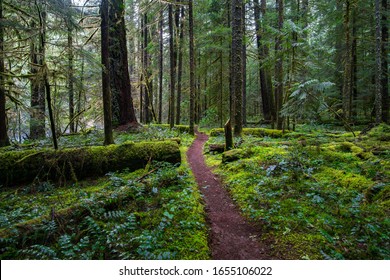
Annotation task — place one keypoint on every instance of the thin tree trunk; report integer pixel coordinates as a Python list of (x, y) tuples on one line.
[(180, 67), (192, 67), (244, 94), (70, 75), (279, 65), (108, 135), (237, 62), (354, 88), (161, 66), (385, 65), (4, 140), (172, 68), (378, 76), (50, 109), (347, 83), (146, 77)]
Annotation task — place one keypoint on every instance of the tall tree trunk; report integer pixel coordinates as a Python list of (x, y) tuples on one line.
[(354, 88), (4, 140), (385, 65), (237, 62), (172, 68), (108, 135), (180, 67), (244, 97), (347, 83), (70, 73), (161, 66), (378, 54), (192, 67), (146, 83), (266, 95), (38, 104), (122, 101), (279, 92)]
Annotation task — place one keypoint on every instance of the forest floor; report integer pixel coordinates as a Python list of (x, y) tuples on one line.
[(231, 236)]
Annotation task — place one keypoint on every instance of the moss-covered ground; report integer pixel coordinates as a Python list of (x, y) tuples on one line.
[(316, 193), (152, 213)]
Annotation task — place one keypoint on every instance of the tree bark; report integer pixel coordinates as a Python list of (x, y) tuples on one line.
[(146, 83), (108, 135), (38, 104), (192, 67), (161, 66), (122, 101), (378, 63), (347, 83), (266, 94), (237, 62), (279, 92), (180, 67), (244, 94), (70, 72), (171, 118), (4, 140), (385, 64)]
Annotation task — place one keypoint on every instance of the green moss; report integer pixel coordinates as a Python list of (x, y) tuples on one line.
[(295, 246), (234, 155), (68, 164), (380, 132), (257, 132), (343, 179)]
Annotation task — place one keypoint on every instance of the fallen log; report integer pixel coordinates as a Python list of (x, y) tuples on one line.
[(78, 163)]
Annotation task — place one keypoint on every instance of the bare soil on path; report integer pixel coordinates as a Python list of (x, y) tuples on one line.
[(231, 237)]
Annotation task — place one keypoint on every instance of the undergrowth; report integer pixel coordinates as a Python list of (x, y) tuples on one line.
[(153, 213), (318, 196)]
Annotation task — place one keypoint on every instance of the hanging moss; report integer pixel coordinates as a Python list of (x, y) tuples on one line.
[(78, 163)]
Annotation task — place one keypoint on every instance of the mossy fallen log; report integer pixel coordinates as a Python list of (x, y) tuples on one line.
[(235, 154), (257, 132), (78, 163), (179, 128)]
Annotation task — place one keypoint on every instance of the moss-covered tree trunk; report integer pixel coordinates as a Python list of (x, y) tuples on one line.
[(237, 63), (228, 136), (161, 65), (385, 64), (378, 64), (122, 101), (108, 136), (4, 141), (37, 52), (279, 92), (347, 76), (70, 74)]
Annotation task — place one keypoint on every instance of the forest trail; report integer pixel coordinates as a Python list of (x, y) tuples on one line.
[(231, 236)]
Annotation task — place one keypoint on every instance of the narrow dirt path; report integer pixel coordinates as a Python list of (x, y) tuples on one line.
[(231, 236)]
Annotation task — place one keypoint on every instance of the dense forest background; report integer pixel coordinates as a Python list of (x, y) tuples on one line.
[(255, 62), (289, 101)]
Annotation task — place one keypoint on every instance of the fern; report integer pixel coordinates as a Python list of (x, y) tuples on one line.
[(39, 252), (114, 215), (68, 249)]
